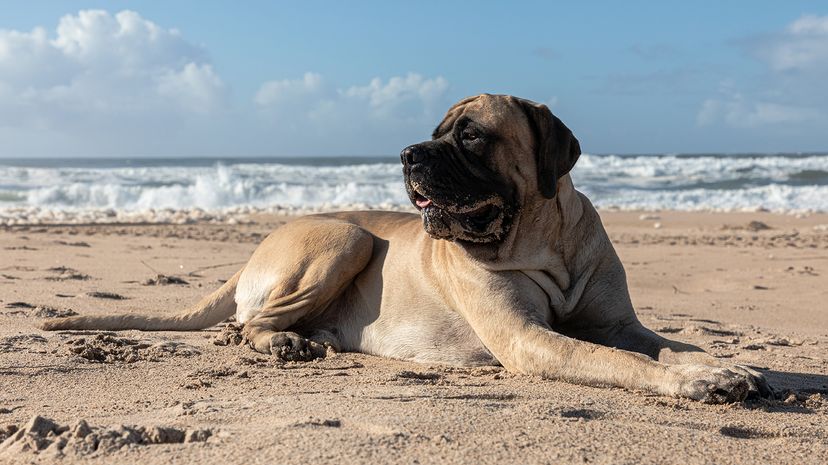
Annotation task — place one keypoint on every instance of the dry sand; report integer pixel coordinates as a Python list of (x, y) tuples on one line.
[(752, 295)]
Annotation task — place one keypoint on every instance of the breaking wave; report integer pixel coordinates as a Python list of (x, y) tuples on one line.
[(651, 182)]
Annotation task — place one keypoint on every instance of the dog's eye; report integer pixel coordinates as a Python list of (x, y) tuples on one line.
[(469, 136)]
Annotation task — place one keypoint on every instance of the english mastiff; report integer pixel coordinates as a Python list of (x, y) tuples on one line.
[(505, 263)]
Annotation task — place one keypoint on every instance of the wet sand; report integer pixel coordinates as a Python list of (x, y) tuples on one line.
[(749, 287)]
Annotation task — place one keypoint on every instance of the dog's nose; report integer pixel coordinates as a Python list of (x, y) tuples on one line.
[(413, 155)]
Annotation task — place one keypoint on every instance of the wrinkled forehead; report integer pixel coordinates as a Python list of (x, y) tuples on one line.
[(490, 111)]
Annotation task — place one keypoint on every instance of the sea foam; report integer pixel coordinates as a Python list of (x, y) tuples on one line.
[(208, 190)]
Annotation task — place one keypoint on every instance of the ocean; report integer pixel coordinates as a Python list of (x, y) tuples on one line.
[(70, 190)]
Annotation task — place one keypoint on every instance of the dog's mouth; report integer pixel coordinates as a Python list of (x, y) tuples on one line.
[(421, 201), (483, 220)]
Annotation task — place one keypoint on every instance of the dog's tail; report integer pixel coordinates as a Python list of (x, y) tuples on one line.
[(210, 310)]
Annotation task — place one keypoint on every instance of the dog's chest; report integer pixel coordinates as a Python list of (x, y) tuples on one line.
[(558, 310), (409, 326)]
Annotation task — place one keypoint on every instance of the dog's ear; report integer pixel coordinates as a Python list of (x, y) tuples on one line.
[(556, 148)]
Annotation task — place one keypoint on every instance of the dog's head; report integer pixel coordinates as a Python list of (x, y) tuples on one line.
[(489, 156)]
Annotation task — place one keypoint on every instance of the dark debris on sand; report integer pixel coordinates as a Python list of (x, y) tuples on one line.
[(73, 244), (20, 305), (163, 280), (44, 311), (63, 273), (106, 295)]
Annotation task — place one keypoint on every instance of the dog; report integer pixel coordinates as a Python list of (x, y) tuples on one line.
[(505, 263)]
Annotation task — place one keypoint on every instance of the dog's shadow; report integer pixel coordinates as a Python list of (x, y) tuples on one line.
[(794, 392)]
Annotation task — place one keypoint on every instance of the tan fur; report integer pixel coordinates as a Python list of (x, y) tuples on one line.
[(550, 299), (210, 310)]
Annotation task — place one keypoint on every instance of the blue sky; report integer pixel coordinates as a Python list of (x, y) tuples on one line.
[(262, 78)]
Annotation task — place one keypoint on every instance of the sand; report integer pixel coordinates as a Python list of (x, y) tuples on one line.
[(749, 287)]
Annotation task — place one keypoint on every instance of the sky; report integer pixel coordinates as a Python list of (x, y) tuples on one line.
[(271, 78)]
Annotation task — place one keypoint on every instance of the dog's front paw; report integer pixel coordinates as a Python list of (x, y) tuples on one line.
[(757, 384), (710, 385), (292, 347)]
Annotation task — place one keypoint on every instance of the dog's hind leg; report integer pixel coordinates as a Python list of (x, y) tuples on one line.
[(299, 270)]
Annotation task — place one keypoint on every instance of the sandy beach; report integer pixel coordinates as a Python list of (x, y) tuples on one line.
[(748, 287)]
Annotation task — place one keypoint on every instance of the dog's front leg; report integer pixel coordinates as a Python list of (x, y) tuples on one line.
[(510, 319)]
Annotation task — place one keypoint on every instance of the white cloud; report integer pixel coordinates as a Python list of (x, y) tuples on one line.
[(802, 46), (281, 92), (102, 67), (737, 112), (406, 96), (386, 114), (790, 92), (399, 91), (97, 38), (196, 87), (119, 84)]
